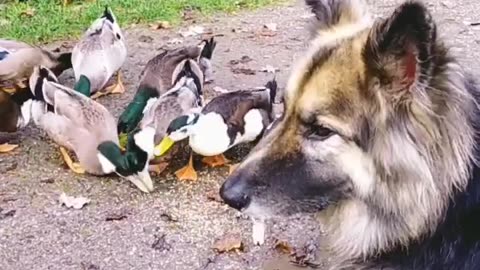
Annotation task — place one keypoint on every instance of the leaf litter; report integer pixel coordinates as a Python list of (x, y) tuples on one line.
[(228, 243), (73, 202)]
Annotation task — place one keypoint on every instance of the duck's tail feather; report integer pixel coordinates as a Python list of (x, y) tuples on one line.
[(207, 51), (108, 14), (190, 69), (37, 82)]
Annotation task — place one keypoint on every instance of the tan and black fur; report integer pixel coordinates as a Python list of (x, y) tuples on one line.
[(379, 136)]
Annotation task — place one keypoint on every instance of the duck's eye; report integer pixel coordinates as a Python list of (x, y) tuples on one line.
[(118, 36), (319, 133)]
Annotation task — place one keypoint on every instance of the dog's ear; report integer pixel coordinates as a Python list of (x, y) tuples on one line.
[(337, 13), (399, 49)]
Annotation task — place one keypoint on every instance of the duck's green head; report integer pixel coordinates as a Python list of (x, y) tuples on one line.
[(133, 114), (179, 128), (83, 86), (133, 164)]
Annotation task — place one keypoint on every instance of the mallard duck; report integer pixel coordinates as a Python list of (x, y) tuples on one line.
[(15, 113), (226, 121), (17, 60), (185, 96), (84, 126), (100, 53), (158, 76)]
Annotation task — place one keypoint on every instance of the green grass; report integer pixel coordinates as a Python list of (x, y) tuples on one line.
[(50, 21)]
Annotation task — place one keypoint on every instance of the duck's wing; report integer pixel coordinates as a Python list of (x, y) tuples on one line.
[(159, 71), (235, 105)]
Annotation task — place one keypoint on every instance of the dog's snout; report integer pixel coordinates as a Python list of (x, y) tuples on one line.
[(235, 192)]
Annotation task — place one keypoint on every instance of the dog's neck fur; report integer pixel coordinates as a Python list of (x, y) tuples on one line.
[(432, 169)]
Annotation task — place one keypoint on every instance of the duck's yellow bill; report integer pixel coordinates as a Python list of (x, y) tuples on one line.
[(163, 147), (123, 140)]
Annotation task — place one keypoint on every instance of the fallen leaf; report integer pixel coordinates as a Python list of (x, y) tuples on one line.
[(48, 180), (271, 26), (192, 31), (160, 243), (160, 25), (175, 41), (219, 90), (258, 231), (283, 247), (145, 39), (29, 12), (240, 30), (4, 148), (230, 242), (245, 59), (6, 214), (214, 195), (72, 202), (246, 71), (168, 217), (269, 69), (305, 256), (115, 216), (188, 15)]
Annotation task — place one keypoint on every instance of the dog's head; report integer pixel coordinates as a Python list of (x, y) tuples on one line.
[(369, 125)]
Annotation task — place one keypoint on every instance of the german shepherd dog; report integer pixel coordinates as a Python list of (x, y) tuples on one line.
[(379, 137)]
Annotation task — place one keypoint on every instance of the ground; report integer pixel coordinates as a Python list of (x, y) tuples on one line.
[(175, 226)]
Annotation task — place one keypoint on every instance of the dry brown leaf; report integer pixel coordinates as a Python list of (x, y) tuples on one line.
[(219, 89), (229, 242), (267, 33), (246, 71), (5, 148), (271, 26), (269, 69), (29, 12), (245, 59), (188, 14), (160, 25), (167, 217), (73, 202), (115, 216), (304, 256), (193, 30), (283, 247)]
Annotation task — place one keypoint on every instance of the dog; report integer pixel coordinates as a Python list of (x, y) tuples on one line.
[(379, 138)]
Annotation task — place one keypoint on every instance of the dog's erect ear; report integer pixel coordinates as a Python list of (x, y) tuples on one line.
[(337, 13), (399, 49)]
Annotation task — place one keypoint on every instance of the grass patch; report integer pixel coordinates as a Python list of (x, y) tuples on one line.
[(40, 21)]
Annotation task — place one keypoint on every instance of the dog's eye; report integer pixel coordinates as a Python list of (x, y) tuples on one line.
[(319, 133)]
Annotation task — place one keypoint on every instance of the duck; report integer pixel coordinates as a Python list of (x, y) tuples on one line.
[(17, 60), (228, 120), (158, 76), (82, 125), (100, 53), (15, 114), (184, 97)]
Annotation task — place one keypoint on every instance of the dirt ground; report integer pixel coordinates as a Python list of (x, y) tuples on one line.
[(175, 226)]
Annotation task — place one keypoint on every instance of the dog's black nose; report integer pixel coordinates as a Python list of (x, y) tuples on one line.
[(234, 192)]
